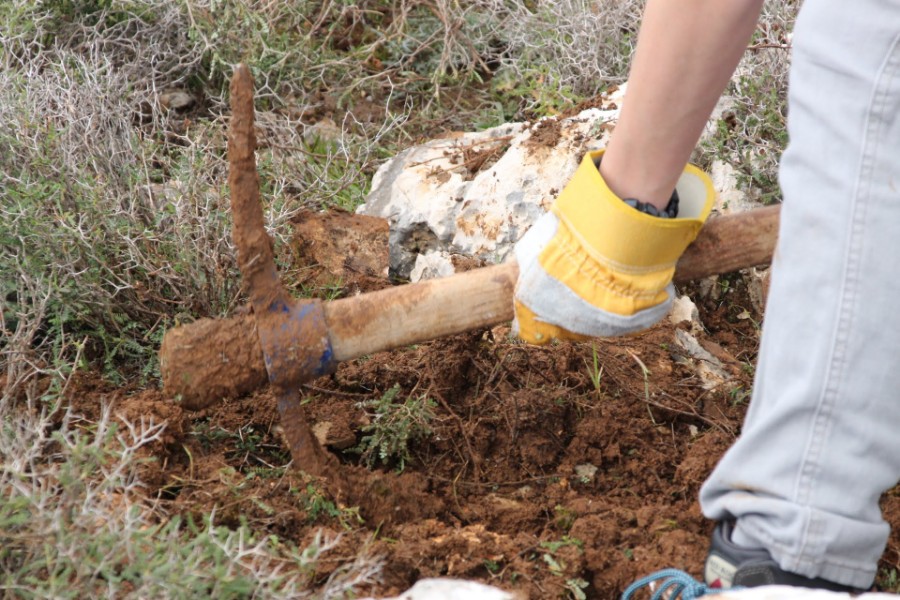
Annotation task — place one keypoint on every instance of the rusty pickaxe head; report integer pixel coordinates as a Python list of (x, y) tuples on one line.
[(292, 334)]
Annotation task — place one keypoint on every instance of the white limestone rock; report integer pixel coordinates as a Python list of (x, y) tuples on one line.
[(476, 194), (452, 589), (709, 369), (729, 197), (684, 310)]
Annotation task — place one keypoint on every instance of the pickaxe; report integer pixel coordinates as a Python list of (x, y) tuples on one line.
[(289, 341)]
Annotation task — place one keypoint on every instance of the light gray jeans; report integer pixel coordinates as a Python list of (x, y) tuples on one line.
[(821, 440)]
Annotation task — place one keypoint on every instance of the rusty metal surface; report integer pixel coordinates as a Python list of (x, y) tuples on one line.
[(293, 334)]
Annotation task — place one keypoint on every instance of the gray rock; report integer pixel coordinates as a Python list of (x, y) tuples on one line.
[(432, 265), (709, 369)]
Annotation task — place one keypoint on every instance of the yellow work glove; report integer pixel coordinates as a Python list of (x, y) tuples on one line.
[(594, 266)]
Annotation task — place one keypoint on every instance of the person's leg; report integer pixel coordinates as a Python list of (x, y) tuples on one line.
[(821, 439)]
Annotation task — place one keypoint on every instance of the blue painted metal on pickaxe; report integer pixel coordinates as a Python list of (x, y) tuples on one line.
[(292, 333)]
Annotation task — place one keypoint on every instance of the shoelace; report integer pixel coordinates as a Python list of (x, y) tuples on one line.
[(674, 585)]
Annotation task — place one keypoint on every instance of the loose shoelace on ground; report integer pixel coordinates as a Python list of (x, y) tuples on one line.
[(674, 584)]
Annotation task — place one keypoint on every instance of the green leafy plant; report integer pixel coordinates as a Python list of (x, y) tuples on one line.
[(554, 546), (564, 518), (738, 395), (889, 581), (318, 505), (576, 587), (395, 424), (248, 445), (492, 566)]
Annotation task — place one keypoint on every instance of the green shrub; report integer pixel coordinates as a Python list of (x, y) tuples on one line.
[(395, 424)]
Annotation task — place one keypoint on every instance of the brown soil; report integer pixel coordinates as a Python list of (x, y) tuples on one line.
[(546, 133), (531, 479)]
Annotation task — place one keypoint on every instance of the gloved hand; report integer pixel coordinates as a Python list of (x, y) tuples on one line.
[(594, 266)]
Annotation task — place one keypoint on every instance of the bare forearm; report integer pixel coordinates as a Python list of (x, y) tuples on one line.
[(687, 51)]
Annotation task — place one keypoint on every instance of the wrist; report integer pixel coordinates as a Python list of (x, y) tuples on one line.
[(669, 210), (587, 201), (630, 175)]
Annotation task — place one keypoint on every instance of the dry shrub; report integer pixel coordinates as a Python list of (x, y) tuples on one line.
[(75, 522), (114, 207)]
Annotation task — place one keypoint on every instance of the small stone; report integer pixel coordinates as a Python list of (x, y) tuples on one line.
[(432, 265), (320, 430), (335, 436), (586, 471), (325, 130), (709, 369), (684, 309), (758, 281), (177, 100)]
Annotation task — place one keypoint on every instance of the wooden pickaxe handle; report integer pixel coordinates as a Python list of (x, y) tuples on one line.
[(422, 311), (483, 297)]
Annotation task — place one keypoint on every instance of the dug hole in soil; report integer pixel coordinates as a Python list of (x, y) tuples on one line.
[(564, 471)]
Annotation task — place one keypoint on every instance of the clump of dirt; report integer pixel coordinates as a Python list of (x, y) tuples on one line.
[(477, 159), (339, 253), (547, 132)]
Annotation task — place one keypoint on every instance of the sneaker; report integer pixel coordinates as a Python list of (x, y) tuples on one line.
[(729, 565)]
